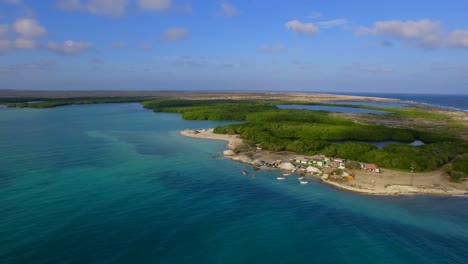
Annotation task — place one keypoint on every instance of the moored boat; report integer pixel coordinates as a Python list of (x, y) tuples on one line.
[(280, 178), (304, 182)]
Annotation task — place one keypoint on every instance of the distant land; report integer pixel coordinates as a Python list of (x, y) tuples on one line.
[(271, 127)]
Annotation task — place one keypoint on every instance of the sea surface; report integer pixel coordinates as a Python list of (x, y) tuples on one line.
[(452, 101), (116, 183)]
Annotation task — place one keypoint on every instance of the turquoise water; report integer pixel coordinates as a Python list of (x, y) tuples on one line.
[(118, 184)]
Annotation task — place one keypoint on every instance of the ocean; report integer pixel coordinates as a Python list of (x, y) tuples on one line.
[(115, 183), (452, 101)]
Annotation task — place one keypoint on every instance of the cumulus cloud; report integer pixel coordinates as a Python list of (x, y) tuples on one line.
[(26, 34), (423, 32), (272, 48), (69, 47), (339, 22), (302, 28), (227, 9), (458, 39), (23, 43), (28, 28), (175, 34), (23, 34), (155, 5), (99, 7)]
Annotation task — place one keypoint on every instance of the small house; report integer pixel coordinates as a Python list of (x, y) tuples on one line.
[(318, 161), (371, 167), (301, 160), (338, 163)]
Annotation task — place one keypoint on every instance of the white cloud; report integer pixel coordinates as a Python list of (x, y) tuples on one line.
[(69, 47), (302, 28), (227, 9), (339, 22), (98, 7), (25, 34), (174, 34), (23, 43), (272, 48), (155, 5), (424, 32), (28, 28), (458, 39)]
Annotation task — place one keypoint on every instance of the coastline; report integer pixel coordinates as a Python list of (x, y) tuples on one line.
[(386, 183)]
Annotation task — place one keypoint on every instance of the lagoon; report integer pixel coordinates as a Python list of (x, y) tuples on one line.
[(116, 183)]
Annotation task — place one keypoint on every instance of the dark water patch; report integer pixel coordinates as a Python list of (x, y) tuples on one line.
[(150, 144), (337, 109), (381, 144), (373, 104), (6, 178)]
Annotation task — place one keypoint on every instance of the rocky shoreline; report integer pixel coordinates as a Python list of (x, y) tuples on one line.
[(386, 183)]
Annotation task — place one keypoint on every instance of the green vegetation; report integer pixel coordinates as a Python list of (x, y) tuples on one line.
[(208, 109), (312, 132), (50, 103), (458, 169), (408, 112)]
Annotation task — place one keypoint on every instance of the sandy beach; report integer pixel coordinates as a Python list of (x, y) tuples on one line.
[(388, 182)]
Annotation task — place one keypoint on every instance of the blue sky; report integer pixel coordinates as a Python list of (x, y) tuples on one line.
[(316, 45)]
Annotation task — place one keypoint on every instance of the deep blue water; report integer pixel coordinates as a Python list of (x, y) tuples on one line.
[(116, 183), (455, 101)]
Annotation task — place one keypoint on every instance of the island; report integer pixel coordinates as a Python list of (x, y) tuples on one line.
[(380, 150)]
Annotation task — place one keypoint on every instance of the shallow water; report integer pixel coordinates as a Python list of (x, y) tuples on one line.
[(116, 183)]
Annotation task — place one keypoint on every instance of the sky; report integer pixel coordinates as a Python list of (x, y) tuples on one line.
[(276, 45)]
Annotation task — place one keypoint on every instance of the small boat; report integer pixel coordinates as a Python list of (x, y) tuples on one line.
[(244, 172), (286, 174), (304, 182), (301, 178), (280, 178)]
